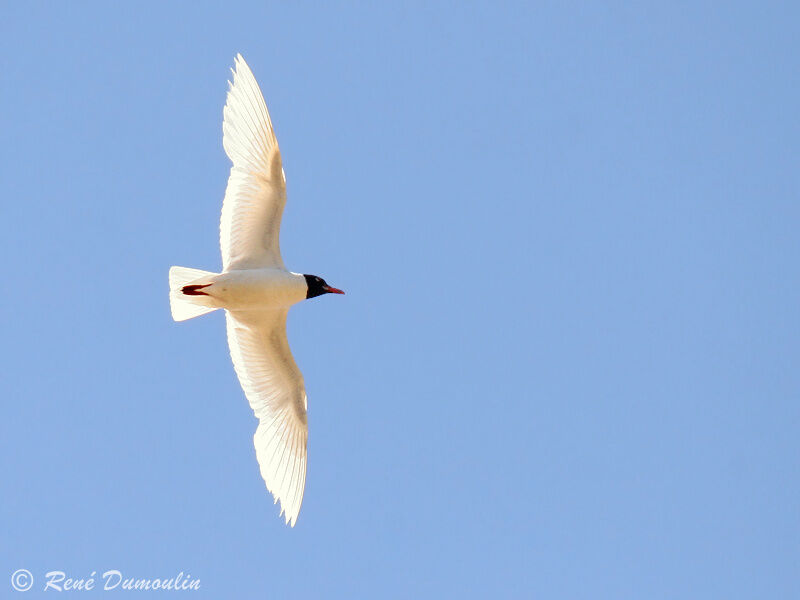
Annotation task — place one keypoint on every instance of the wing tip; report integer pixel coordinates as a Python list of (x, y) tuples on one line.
[(241, 65), (290, 517)]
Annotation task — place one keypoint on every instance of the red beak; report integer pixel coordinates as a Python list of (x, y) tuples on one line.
[(332, 290)]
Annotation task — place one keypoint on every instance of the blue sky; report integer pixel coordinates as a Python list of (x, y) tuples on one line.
[(567, 362)]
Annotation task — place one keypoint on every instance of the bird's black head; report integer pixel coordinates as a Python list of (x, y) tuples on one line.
[(317, 287)]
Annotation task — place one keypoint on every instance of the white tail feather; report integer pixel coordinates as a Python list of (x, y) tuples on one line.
[(182, 306)]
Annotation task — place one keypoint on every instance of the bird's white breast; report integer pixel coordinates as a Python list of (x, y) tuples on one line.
[(257, 288)]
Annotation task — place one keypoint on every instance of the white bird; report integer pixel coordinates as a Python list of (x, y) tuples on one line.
[(256, 291)]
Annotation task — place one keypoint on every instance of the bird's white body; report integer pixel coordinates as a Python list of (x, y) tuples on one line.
[(249, 289), (256, 291)]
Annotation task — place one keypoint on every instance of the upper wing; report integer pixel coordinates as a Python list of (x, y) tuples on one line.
[(274, 386), (256, 193)]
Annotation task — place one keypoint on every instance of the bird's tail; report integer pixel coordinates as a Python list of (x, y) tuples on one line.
[(186, 292)]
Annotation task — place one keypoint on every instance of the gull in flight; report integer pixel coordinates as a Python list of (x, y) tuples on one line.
[(256, 291)]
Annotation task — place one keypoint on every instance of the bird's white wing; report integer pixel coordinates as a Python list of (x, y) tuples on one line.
[(274, 386), (256, 192)]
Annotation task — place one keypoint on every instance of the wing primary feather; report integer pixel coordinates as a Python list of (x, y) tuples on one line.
[(281, 445), (292, 467), (256, 95), (253, 110), (285, 464), (298, 472)]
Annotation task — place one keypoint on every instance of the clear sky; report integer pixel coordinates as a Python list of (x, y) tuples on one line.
[(567, 362)]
